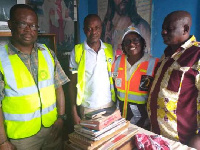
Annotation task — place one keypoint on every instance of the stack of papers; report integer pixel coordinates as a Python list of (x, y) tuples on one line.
[(4, 26)]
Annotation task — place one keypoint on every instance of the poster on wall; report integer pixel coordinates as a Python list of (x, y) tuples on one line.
[(5, 16), (117, 15), (56, 16), (5, 9)]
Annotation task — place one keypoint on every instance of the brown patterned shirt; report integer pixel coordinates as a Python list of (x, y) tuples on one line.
[(174, 99)]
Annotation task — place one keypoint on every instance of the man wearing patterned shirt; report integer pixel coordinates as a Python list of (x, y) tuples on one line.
[(31, 95), (174, 99)]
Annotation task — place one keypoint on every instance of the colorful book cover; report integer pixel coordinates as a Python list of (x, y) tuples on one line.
[(112, 130), (102, 122), (96, 133), (119, 139)]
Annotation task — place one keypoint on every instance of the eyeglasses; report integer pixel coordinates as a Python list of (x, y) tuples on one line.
[(129, 41), (23, 25)]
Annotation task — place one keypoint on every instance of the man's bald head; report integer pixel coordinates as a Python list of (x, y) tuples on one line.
[(180, 15), (176, 28)]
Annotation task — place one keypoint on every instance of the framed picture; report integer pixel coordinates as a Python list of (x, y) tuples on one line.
[(21, 1), (56, 17), (137, 14), (5, 6), (5, 9)]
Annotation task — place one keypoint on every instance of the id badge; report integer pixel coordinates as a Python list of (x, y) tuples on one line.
[(145, 82), (118, 82)]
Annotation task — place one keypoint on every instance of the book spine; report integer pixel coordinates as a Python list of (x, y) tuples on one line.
[(109, 120), (104, 123)]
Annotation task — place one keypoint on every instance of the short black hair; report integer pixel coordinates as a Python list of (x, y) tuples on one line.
[(88, 17), (19, 6)]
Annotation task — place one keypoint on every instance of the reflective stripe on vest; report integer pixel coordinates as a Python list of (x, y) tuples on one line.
[(28, 90), (125, 90), (117, 62), (80, 55), (27, 117), (43, 104), (9, 73), (151, 65), (132, 97), (149, 69), (112, 84)]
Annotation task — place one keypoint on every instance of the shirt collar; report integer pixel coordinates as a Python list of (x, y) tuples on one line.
[(86, 46), (190, 42), (13, 50), (144, 58)]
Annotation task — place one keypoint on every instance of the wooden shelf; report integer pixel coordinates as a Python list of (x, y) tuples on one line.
[(5, 34)]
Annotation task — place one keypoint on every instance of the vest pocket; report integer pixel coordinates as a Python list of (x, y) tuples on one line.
[(145, 82), (118, 82)]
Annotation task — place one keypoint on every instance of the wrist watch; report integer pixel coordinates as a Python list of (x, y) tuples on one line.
[(63, 117)]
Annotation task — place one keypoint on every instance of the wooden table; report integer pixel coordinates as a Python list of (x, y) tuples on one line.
[(130, 145), (173, 144)]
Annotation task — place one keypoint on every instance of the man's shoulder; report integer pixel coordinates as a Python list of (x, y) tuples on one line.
[(11, 49), (41, 46), (198, 48), (77, 52), (3, 49), (79, 46), (3, 46), (108, 45), (197, 44), (44, 48), (194, 48)]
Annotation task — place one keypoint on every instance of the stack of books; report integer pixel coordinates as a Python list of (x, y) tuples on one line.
[(106, 131), (4, 26)]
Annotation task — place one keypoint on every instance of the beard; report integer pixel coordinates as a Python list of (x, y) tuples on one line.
[(123, 8)]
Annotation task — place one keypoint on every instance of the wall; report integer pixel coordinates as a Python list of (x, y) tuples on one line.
[(85, 7), (160, 8)]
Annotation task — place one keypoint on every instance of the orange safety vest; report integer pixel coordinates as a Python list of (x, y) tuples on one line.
[(134, 90)]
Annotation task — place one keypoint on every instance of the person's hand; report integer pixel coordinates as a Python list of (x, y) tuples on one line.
[(56, 130), (7, 146), (76, 119)]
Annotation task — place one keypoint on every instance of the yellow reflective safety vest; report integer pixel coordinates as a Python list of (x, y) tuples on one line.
[(27, 106), (80, 56)]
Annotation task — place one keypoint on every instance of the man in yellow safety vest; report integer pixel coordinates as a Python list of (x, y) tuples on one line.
[(31, 95), (90, 66)]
